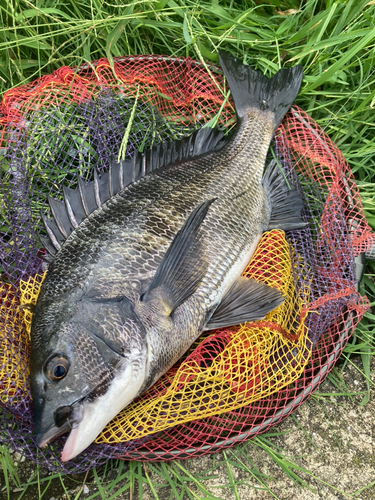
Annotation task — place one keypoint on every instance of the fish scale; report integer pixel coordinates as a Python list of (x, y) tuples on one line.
[(134, 283), (112, 216), (205, 186)]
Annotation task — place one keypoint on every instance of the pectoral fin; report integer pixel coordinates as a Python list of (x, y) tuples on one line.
[(184, 264), (247, 300)]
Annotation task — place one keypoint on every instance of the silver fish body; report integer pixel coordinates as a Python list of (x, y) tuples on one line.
[(139, 279)]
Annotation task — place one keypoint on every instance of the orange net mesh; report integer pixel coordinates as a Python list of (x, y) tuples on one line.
[(327, 175), (180, 89)]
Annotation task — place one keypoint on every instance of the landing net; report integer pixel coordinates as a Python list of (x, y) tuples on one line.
[(235, 382)]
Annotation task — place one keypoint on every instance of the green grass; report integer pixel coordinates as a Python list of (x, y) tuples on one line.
[(334, 42)]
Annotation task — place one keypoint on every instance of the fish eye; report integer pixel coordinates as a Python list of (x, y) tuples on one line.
[(57, 368)]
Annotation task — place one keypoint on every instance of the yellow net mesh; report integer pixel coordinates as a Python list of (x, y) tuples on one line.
[(227, 368), (14, 341)]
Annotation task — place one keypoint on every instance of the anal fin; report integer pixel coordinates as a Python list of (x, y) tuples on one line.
[(246, 300)]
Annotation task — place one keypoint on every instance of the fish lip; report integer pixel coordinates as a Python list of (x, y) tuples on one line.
[(52, 433)]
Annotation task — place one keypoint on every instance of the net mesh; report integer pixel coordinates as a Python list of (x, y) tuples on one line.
[(228, 369), (233, 383)]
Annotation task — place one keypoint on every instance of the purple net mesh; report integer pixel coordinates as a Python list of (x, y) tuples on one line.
[(72, 122)]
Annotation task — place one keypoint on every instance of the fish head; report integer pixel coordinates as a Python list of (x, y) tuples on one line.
[(85, 369)]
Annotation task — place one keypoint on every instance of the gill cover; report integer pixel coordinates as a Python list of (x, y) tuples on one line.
[(85, 354)]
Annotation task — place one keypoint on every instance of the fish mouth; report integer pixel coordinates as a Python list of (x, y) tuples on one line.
[(99, 411), (66, 418), (52, 433)]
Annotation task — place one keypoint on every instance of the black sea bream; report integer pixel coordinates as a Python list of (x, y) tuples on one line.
[(150, 255)]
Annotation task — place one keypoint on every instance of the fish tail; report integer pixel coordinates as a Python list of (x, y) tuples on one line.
[(250, 89)]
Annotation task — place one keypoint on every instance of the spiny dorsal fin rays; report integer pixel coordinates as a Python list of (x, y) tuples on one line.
[(53, 232), (51, 250), (60, 216), (116, 182), (81, 202), (74, 207), (87, 195), (200, 142), (101, 188)]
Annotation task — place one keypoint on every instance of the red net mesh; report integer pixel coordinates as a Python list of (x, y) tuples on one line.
[(72, 121), (228, 369)]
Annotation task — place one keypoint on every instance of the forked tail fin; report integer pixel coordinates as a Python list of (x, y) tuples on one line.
[(251, 89)]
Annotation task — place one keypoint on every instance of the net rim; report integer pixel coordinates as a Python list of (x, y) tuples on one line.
[(150, 57), (300, 396)]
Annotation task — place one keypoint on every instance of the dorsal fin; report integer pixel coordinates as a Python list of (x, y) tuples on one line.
[(53, 232), (202, 141), (51, 250), (87, 196), (101, 187), (60, 216), (116, 181), (73, 205), (81, 202)]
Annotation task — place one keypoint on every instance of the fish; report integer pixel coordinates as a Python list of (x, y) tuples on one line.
[(147, 256)]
